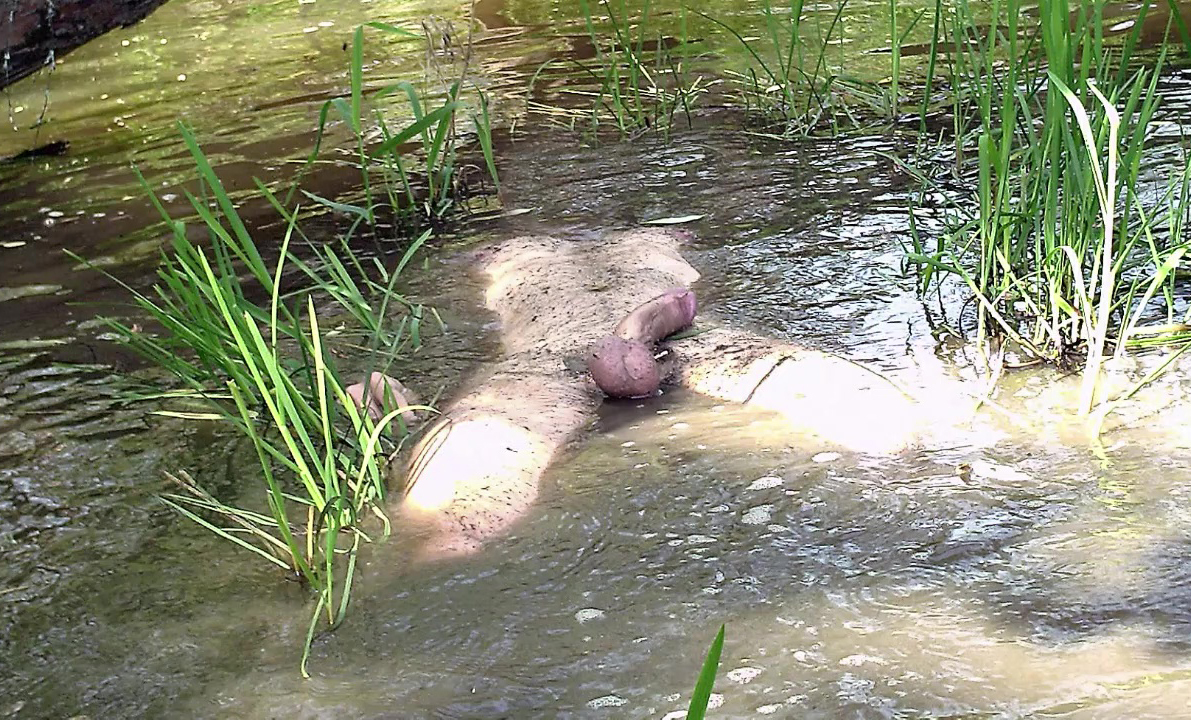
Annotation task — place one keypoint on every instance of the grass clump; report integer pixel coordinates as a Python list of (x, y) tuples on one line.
[(413, 173), (635, 82), (258, 360), (1063, 248), (789, 82), (257, 355)]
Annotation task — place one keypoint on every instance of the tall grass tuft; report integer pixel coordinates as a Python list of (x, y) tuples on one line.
[(635, 82), (790, 81), (417, 166), (261, 364), (1061, 245)]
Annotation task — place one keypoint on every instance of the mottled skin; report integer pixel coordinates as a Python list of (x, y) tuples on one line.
[(623, 368), (476, 472), (660, 317)]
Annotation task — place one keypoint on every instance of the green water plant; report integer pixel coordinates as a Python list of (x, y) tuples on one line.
[(789, 81), (898, 34), (697, 709), (635, 81), (1063, 246), (258, 360), (411, 173)]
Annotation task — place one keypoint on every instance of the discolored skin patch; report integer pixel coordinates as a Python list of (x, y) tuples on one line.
[(659, 317), (476, 471), (623, 368), (383, 394)]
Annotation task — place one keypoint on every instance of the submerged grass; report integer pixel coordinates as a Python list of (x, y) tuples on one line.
[(641, 78), (256, 353), (789, 82)]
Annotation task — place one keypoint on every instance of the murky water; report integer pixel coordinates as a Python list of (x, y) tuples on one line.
[(998, 571)]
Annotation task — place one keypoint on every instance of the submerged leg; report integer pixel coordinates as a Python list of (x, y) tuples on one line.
[(476, 471), (829, 396)]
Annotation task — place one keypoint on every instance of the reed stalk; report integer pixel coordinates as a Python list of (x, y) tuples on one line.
[(1058, 243), (266, 371)]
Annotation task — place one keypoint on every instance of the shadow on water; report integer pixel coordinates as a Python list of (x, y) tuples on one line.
[(990, 573)]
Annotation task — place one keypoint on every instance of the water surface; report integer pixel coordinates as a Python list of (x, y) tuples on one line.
[(996, 571)]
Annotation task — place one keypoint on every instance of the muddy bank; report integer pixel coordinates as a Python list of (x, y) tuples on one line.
[(39, 32)]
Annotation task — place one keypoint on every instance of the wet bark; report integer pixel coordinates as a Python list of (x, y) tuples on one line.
[(33, 33)]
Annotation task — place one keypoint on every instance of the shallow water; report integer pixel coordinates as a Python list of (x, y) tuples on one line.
[(994, 572)]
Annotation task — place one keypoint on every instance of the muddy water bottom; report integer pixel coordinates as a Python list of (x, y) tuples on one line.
[(851, 586)]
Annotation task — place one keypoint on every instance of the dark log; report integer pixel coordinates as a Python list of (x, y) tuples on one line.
[(32, 32)]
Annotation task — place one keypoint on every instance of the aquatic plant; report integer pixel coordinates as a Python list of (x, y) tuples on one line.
[(789, 82), (897, 38), (418, 184), (632, 84), (1062, 250), (267, 371), (697, 710)]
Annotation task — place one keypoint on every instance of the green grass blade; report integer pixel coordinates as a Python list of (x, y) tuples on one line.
[(699, 699)]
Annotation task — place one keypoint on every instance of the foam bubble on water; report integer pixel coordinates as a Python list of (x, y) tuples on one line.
[(700, 539), (860, 659), (744, 675), (589, 614), (760, 515), (768, 709), (764, 483), (719, 509), (1003, 473), (606, 701), (825, 457)]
